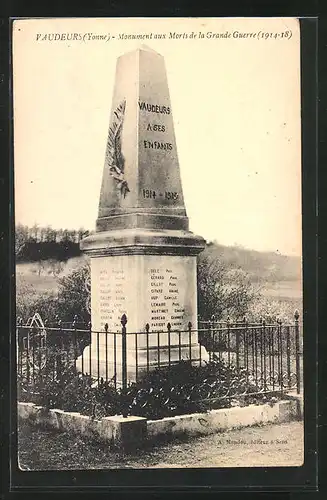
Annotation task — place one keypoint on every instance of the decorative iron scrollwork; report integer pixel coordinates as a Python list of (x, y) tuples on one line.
[(37, 343)]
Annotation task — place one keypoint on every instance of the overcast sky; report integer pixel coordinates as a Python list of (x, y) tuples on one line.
[(236, 109)]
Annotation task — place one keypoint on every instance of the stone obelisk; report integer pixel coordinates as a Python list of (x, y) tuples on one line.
[(143, 256)]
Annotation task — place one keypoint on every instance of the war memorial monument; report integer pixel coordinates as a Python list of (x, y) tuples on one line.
[(142, 255)]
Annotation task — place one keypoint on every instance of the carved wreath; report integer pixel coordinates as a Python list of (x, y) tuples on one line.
[(114, 155)]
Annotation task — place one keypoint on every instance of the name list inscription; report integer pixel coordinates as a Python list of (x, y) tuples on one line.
[(112, 299), (165, 299)]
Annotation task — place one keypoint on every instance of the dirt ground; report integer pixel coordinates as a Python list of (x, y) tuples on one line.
[(260, 446)]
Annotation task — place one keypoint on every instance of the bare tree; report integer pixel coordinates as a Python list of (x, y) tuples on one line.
[(35, 231), (41, 265), (56, 266), (21, 237)]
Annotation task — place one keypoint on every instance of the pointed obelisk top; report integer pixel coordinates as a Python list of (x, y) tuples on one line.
[(142, 48), (146, 47), (141, 205), (141, 184)]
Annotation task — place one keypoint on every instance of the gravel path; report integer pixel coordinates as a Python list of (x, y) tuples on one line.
[(269, 445)]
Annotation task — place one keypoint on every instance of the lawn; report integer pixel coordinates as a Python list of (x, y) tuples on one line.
[(283, 290), (45, 281)]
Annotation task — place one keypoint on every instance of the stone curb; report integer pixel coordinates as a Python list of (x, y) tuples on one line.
[(224, 419), (132, 431)]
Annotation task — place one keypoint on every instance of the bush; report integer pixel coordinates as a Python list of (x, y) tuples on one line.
[(274, 309), (28, 302), (25, 298), (222, 291), (73, 295), (70, 300), (176, 390)]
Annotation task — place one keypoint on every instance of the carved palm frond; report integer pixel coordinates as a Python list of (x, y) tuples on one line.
[(114, 154), (119, 159)]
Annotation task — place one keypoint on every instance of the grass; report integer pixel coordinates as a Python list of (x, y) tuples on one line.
[(257, 446), (45, 282), (283, 289)]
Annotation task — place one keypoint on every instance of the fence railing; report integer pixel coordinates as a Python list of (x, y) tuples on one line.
[(266, 357)]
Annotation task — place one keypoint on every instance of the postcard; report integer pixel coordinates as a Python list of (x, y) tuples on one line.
[(158, 245)]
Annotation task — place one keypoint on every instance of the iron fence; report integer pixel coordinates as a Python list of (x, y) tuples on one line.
[(247, 358)]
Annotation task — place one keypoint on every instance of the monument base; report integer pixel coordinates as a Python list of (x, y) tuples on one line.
[(138, 364), (149, 276)]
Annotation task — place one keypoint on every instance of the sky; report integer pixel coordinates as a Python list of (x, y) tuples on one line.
[(236, 108)]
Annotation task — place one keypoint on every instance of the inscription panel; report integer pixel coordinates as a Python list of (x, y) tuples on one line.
[(110, 296), (170, 291), (149, 289)]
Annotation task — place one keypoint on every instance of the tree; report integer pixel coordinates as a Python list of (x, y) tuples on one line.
[(81, 233), (59, 235), (41, 265), (21, 237), (73, 294), (65, 235), (25, 298), (56, 266), (50, 234), (72, 234), (69, 301), (43, 233), (35, 231), (209, 280), (273, 309), (222, 291)]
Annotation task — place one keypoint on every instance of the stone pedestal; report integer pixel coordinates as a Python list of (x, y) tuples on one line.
[(152, 280), (143, 256)]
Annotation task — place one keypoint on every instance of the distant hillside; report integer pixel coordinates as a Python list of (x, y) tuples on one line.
[(43, 243), (275, 279), (34, 251), (261, 266)]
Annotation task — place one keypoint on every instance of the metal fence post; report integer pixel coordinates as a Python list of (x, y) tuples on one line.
[(237, 348), (261, 352), (89, 326), (169, 353), (228, 341), (213, 332), (189, 326), (147, 328), (209, 338), (106, 327), (74, 326), (19, 343), (124, 363), (297, 351), (279, 352), (264, 368), (246, 348)]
